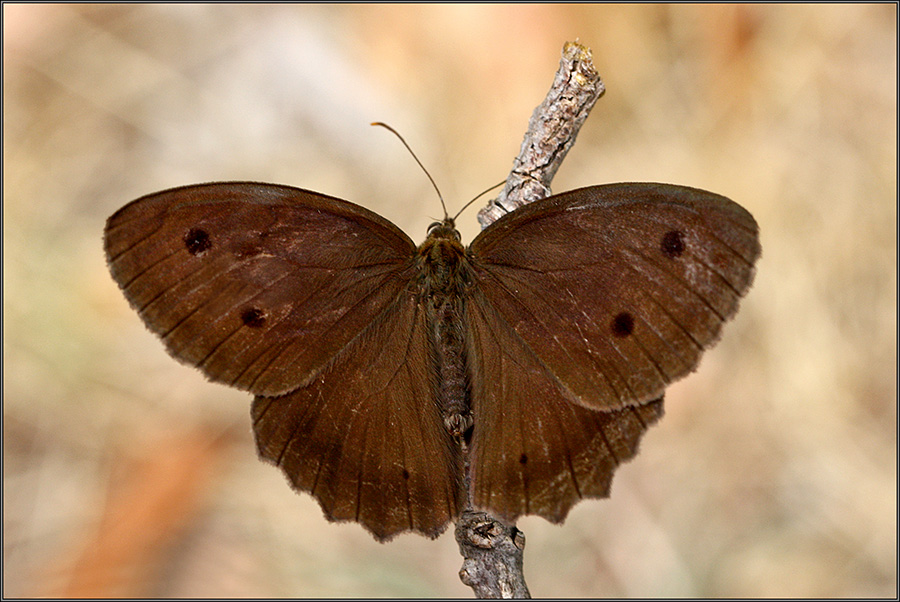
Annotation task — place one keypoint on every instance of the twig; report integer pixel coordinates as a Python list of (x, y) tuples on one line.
[(493, 552), (551, 133), (493, 555)]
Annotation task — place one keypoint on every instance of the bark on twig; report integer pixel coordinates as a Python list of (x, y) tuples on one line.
[(493, 552), (551, 133), (493, 555)]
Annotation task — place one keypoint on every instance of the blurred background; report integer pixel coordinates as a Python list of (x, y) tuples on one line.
[(774, 472)]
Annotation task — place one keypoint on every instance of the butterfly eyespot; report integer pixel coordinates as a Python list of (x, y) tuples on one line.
[(253, 317), (405, 474), (197, 241), (623, 325), (523, 459), (672, 244)]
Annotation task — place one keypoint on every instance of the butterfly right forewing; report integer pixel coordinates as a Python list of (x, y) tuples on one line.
[(619, 288)]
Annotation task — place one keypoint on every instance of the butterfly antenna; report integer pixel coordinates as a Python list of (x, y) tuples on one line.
[(393, 131), (478, 196)]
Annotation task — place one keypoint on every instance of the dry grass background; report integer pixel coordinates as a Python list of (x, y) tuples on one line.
[(774, 471)]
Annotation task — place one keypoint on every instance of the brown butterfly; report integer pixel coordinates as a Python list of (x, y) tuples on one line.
[(398, 383)]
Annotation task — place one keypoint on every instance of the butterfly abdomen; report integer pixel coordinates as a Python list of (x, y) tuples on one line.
[(442, 279)]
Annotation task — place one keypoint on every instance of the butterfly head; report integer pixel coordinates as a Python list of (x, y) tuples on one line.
[(445, 229)]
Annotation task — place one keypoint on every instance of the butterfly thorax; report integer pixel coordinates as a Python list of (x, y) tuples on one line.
[(441, 264), (443, 275)]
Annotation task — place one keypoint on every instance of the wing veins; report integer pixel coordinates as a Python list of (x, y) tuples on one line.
[(675, 278), (127, 285), (137, 242), (600, 368), (322, 335)]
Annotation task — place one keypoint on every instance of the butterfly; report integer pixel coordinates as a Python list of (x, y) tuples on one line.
[(399, 384)]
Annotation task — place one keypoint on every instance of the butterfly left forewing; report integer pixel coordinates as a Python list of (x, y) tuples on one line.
[(258, 285)]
